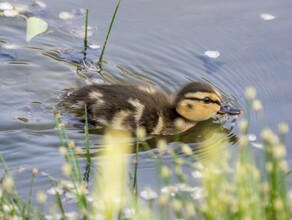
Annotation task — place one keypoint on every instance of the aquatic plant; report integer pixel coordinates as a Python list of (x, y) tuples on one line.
[(34, 25)]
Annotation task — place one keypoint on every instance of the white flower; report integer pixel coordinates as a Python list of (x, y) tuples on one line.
[(257, 105), (66, 15), (197, 174), (8, 184), (94, 46), (212, 53), (148, 194), (129, 213), (55, 190), (283, 128), (10, 46), (252, 137), (5, 6), (267, 17), (41, 197), (257, 145), (10, 13), (250, 92)]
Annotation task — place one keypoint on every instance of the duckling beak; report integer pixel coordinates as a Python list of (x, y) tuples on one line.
[(228, 109)]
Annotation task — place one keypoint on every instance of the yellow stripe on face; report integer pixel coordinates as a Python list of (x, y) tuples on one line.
[(201, 95)]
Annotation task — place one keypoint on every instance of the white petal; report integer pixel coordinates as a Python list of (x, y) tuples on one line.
[(6, 6), (94, 46), (148, 194), (197, 174), (10, 46), (267, 17), (257, 145), (10, 13), (252, 137), (212, 53), (66, 15)]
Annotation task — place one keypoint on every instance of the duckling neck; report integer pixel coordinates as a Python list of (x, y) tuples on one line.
[(172, 124), (181, 124)]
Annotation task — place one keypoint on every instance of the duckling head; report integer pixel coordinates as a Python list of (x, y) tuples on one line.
[(198, 101)]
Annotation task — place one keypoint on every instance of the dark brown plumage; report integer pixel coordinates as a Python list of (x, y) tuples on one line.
[(126, 106)]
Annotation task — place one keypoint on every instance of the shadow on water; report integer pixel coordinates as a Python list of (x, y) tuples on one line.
[(211, 66), (207, 140), (197, 138)]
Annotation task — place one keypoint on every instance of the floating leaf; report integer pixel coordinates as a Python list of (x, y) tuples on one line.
[(35, 26)]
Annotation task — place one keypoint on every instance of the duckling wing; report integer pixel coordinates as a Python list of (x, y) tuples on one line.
[(121, 106)]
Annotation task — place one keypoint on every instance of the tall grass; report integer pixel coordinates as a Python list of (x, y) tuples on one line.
[(227, 190)]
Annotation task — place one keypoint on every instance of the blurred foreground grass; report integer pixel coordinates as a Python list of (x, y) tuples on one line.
[(244, 191)]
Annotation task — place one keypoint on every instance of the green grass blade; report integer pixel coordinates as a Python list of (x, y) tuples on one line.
[(86, 30), (108, 34)]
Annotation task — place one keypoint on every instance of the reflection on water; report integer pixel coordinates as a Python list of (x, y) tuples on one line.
[(208, 133)]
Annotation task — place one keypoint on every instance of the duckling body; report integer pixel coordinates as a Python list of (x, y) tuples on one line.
[(127, 107)]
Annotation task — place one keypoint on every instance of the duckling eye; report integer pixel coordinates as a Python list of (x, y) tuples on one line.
[(206, 100)]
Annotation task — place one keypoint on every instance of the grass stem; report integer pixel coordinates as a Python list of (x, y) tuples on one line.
[(30, 195), (86, 30), (107, 36)]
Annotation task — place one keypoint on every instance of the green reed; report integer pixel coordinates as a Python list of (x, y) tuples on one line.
[(86, 30), (108, 34), (86, 133)]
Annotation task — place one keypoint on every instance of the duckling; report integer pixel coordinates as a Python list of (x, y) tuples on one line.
[(127, 106)]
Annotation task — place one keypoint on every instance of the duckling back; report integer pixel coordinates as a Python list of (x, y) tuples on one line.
[(123, 107)]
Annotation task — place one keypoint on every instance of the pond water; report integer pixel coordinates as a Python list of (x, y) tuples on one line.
[(162, 43)]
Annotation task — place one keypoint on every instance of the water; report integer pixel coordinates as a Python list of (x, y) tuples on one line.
[(160, 43)]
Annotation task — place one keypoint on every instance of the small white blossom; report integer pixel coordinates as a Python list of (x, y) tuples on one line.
[(41, 197), (8, 184), (67, 169), (10, 13), (5, 6), (250, 92), (10, 46), (267, 17), (257, 145), (94, 46), (148, 194), (252, 137), (55, 190), (197, 174), (66, 15), (257, 105), (129, 213), (283, 128), (212, 53)]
